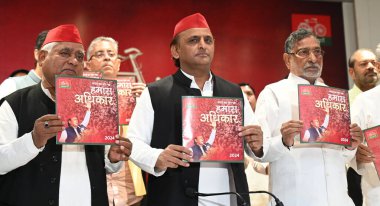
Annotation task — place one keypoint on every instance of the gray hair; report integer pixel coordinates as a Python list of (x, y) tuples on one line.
[(99, 39), (49, 46), (295, 37)]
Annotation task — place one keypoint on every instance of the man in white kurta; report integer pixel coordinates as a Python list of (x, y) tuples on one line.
[(300, 175), (366, 113)]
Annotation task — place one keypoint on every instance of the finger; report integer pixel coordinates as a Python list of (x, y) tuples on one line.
[(179, 149), (178, 162), (49, 117), (364, 152), (363, 147), (54, 123)]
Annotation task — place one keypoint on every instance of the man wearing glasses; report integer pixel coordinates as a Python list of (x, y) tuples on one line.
[(102, 56), (311, 174)]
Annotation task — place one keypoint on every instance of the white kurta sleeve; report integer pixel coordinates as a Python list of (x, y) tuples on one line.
[(7, 87), (14, 152), (267, 113), (140, 133)]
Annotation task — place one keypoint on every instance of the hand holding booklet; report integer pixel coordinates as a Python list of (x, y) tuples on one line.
[(372, 137), (88, 107), (325, 113)]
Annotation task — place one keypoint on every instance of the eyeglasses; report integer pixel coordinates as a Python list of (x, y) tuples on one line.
[(305, 52), (101, 55)]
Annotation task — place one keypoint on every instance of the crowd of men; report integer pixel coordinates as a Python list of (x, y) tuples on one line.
[(34, 170)]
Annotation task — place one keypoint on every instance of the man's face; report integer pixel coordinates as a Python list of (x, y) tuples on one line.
[(65, 58), (365, 72), (315, 123), (73, 122), (250, 95), (195, 48), (308, 67), (199, 140), (104, 59)]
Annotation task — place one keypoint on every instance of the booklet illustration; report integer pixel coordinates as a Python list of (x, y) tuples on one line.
[(325, 112), (127, 102), (210, 128), (89, 109)]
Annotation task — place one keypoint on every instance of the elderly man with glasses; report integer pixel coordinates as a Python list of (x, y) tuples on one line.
[(311, 174)]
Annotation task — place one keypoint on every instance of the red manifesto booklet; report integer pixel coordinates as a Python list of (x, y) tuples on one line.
[(89, 109), (325, 112), (372, 136), (210, 128), (93, 74), (126, 101)]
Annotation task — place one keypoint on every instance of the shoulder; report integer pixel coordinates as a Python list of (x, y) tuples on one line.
[(163, 83)]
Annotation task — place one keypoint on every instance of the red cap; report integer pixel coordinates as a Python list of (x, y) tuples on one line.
[(193, 21), (63, 33)]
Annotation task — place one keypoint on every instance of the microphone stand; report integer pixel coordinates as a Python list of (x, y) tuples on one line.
[(193, 193), (278, 202)]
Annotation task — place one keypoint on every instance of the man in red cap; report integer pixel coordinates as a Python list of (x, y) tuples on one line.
[(34, 170), (155, 127)]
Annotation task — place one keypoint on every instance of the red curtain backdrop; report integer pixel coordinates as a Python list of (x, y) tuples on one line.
[(249, 34)]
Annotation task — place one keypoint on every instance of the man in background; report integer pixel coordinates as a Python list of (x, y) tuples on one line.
[(257, 172), (126, 186), (364, 71), (250, 93), (34, 76)]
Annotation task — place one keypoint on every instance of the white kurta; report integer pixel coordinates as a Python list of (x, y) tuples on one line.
[(365, 112), (140, 133), (312, 175), (16, 152)]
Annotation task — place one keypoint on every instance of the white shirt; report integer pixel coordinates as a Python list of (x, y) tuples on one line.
[(143, 155), (11, 84), (15, 152), (312, 175), (365, 112)]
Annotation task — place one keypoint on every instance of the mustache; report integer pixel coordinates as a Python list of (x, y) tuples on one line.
[(202, 53), (312, 65)]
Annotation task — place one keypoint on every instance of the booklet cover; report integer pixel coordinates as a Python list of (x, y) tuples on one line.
[(92, 74), (372, 136), (210, 128), (126, 101), (89, 109), (325, 112)]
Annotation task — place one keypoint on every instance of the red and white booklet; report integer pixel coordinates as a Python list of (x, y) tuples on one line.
[(93, 74), (372, 136), (89, 109), (325, 112), (126, 101), (210, 128)]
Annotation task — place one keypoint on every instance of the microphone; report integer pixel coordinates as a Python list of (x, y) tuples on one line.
[(191, 192), (278, 202)]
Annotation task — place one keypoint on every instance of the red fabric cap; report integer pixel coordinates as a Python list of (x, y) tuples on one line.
[(63, 33), (193, 21)]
